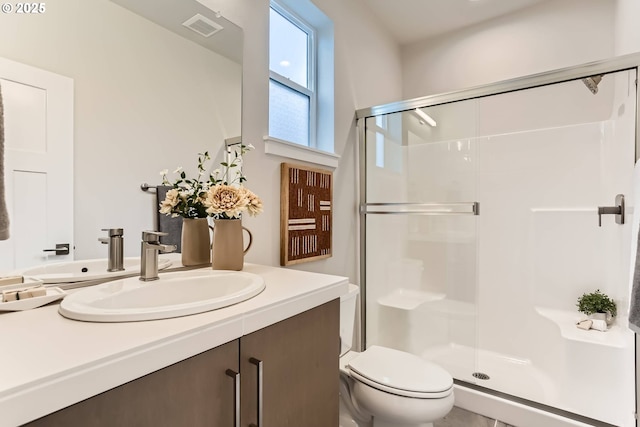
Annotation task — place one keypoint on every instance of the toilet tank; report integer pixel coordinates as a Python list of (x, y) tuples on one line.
[(347, 318)]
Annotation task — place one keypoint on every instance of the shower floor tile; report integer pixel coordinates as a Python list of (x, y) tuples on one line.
[(461, 418)]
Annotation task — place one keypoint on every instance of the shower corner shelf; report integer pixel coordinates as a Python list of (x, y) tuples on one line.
[(409, 299), (617, 336)]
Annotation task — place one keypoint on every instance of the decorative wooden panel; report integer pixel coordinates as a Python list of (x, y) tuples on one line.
[(305, 214)]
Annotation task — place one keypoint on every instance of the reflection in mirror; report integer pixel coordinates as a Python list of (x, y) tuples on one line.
[(143, 98), (194, 21)]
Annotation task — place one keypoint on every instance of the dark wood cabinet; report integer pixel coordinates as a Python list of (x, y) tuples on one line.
[(299, 383), (194, 392), (299, 370)]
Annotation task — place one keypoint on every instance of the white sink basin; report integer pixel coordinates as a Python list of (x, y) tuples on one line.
[(174, 294), (87, 270)]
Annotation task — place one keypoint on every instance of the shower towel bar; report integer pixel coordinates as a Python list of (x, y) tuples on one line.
[(421, 208)]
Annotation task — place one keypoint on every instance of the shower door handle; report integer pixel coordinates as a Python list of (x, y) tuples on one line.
[(617, 210)]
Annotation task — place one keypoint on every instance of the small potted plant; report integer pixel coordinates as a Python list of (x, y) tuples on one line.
[(598, 306)]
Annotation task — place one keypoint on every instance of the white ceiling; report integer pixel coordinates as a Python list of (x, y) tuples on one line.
[(412, 20)]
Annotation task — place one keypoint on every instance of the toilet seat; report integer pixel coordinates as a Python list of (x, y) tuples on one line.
[(400, 373)]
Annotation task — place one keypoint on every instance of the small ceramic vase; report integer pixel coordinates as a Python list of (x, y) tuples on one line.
[(196, 242), (228, 245)]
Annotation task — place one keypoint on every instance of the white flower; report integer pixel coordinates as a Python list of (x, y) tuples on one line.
[(254, 205), (227, 200), (220, 194), (170, 201), (163, 172)]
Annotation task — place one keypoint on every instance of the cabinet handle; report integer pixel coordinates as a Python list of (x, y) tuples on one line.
[(236, 396), (258, 364)]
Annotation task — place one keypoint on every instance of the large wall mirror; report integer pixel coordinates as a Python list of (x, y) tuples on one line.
[(149, 94)]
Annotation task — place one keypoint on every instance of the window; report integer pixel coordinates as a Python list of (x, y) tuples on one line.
[(292, 87), (301, 83)]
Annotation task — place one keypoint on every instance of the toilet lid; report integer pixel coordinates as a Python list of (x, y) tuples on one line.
[(401, 373)]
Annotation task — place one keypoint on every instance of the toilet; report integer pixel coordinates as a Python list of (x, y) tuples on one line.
[(384, 387)]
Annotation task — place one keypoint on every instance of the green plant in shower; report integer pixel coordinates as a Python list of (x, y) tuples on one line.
[(596, 302)]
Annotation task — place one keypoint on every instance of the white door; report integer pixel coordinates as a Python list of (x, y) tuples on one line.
[(38, 149)]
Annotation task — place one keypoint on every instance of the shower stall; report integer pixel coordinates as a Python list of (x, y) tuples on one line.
[(480, 230)]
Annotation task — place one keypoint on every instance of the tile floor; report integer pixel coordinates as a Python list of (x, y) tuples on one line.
[(461, 418)]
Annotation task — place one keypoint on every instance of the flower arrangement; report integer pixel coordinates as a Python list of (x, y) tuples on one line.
[(220, 195)]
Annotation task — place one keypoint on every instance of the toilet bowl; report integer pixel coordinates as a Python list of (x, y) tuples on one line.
[(384, 387)]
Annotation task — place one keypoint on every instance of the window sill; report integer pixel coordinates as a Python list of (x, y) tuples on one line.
[(282, 148)]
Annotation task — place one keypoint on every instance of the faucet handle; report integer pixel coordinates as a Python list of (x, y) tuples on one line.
[(114, 232), (152, 236)]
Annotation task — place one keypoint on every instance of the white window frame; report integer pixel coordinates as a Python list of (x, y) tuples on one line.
[(311, 91)]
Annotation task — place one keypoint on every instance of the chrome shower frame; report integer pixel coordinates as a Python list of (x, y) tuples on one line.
[(603, 67)]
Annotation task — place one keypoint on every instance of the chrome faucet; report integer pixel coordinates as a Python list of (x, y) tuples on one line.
[(116, 248), (149, 254)]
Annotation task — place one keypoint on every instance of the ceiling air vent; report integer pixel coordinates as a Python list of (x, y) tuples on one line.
[(202, 25)]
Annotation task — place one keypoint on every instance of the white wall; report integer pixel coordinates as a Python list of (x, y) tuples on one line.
[(627, 30), (547, 36), (145, 100), (367, 72)]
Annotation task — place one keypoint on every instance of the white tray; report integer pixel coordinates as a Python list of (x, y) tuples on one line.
[(27, 282), (53, 294)]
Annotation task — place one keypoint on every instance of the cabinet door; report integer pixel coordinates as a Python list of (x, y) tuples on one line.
[(300, 370), (194, 392)]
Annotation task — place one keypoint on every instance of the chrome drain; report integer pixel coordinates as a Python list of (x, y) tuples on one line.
[(480, 376)]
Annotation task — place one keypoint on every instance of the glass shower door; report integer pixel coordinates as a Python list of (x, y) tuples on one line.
[(548, 157), (421, 228)]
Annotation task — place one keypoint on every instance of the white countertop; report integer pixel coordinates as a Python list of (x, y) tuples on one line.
[(48, 362)]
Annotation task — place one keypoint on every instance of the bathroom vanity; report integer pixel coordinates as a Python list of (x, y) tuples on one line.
[(275, 354)]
